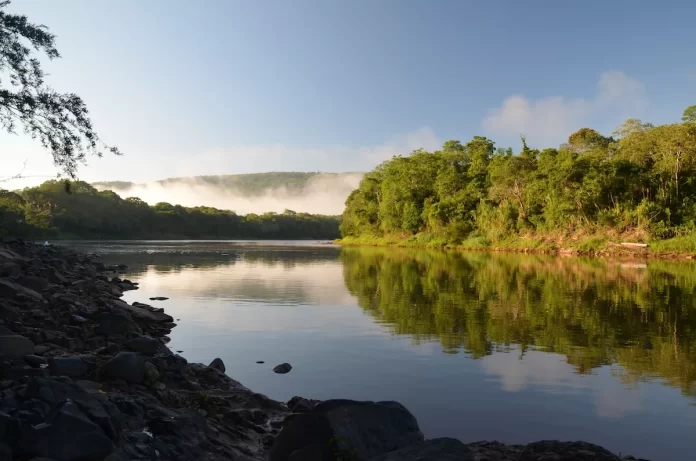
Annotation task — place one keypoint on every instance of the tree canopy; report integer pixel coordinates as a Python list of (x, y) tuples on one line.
[(59, 121), (641, 182)]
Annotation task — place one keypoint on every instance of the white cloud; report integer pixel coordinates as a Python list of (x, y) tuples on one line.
[(552, 119)]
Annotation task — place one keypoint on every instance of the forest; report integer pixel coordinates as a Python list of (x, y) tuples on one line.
[(75, 209), (638, 184)]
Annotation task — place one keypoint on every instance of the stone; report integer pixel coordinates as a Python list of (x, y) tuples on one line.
[(10, 290), (10, 269), (78, 319), (553, 450), (363, 429), (282, 368), (72, 367), (260, 361), (304, 406), (442, 449), (112, 323), (127, 366), (69, 423), (15, 346), (35, 361), (151, 374), (33, 282), (218, 364), (40, 349), (144, 344), (9, 313), (159, 298)]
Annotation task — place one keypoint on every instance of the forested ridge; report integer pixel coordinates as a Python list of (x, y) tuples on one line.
[(60, 209), (639, 183)]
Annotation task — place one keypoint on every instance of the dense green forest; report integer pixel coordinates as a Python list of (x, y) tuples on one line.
[(594, 311), (252, 184), (60, 209), (638, 184)]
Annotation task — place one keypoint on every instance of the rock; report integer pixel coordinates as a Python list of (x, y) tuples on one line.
[(72, 367), (363, 429), (144, 344), (112, 323), (159, 298), (15, 346), (35, 361), (218, 364), (10, 290), (304, 406), (33, 282), (10, 269), (260, 361), (68, 423), (9, 313), (127, 366), (443, 449), (553, 450), (39, 350), (151, 374), (78, 319), (5, 452), (282, 368)]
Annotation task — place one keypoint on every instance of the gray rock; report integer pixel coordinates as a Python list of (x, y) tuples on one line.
[(5, 452), (218, 364), (566, 451), (35, 361), (144, 344), (10, 269), (72, 367), (282, 368), (9, 313), (159, 298), (78, 319), (15, 346), (10, 290), (127, 366), (361, 430), (112, 323), (33, 282), (39, 350), (69, 435), (443, 449)]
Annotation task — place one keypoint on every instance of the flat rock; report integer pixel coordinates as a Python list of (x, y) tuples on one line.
[(554, 450), (35, 360), (144, 344), (33, 282), (15, 346), (127, 366), (10, 290), (282, 368), (443, 449), (159, 298), (72, 367)]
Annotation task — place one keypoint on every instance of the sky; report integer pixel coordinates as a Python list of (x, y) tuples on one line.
[(225, 87)]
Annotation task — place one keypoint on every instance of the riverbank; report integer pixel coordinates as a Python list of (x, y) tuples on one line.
[(88, 376), (594, 245)]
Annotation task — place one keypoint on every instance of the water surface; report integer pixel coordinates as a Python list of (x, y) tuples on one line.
[(478, 346)]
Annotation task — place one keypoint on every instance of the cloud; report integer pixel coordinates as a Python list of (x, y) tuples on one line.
[(552, 119)]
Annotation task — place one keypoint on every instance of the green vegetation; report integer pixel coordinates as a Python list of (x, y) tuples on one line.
[(638, 186), (59, 209), (249, 185), (595, 312)]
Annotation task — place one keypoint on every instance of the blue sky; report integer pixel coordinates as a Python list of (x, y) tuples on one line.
[(215, 87)]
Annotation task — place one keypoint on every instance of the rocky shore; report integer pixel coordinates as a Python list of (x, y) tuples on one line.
[(86, 376)]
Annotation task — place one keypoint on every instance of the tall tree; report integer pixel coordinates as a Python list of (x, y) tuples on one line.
[(59, 121)]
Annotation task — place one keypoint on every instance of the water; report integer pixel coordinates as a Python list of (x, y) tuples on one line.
[(478, 346)]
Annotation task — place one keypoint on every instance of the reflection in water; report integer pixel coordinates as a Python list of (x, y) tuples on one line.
[(595, 312), (478, 346)]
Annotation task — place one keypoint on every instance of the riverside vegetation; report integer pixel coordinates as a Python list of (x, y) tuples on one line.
[(637, 186), (86, 376)]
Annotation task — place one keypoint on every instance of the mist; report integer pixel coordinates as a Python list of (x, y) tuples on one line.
[(322, 194)]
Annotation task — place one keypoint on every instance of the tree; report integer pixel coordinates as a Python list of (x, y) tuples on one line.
[(59, 121), (689, 115)]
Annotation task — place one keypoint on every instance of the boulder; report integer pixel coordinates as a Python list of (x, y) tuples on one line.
[(362, 430), (282, 368), (9, 313), (10, 269), (144, 345), (218, 364), (35, 360), (443, 449), (15, 346), (127, 366), (112, 323), (33, 282), (73, 367), (68, 435), (10, 290)]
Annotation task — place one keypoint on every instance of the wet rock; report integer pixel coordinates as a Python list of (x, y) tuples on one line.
[(260, 361), (9, 313), (443, 449), (144, 345), (41, 349), (33, 282), (218, 364), (15, 346), (112, 323), (282, 368), (78, 319), (363, 429), (127, 366), (72, 367), (10, 290), (10, 269), (159, 298)]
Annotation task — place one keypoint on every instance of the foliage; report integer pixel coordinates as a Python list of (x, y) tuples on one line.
[(595, 312), (47, 211), (642, 184), (59, 121)]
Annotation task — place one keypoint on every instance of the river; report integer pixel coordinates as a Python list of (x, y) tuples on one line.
[(478, 346)]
